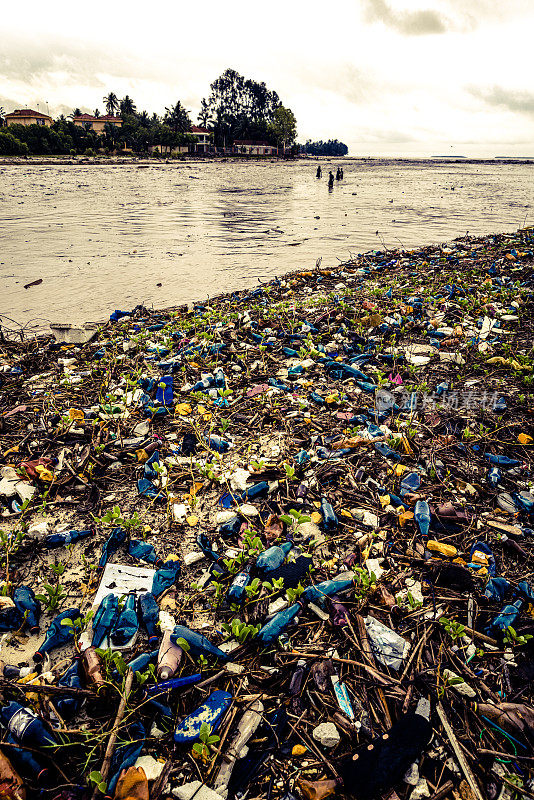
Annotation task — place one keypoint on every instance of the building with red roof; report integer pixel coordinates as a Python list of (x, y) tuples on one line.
[(26, 116)]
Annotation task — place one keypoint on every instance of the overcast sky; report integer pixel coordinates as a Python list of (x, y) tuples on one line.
[(387, 77)]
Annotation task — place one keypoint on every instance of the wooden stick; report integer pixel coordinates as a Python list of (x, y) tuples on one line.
[(106, 763), (466, 769)]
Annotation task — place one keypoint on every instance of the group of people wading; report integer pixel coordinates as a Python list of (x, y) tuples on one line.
[(338, 177)]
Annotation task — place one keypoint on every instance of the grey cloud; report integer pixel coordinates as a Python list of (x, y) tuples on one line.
[(521, 102), (369, 135), (410, 23)]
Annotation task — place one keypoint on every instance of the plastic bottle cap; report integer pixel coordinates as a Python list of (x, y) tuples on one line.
[(165, 673), (153, 639), (38, 656), (35, 629)]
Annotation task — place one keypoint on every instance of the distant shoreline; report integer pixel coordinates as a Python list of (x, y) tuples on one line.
[(129, 161)]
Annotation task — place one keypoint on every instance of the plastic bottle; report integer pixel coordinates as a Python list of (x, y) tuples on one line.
[(386, 451), (93, 667), (494, 477), (198, 644), (330, 521), (169, 657), (217, 443), (126, 753), (26, 603), (219, 378), (422, 517), (255, 492), (297, 678), (410, 484), (338, 613), (144, 552), (273, 557), (58, 634), (111, 545), (149, 613), (231, 527), (237, 591), (502, 461), (314, 594), (165, 577), (69, 705), (173, 683), (105, 618), (141, 662), (246, 727), (26, 727), (505, 618), (164, 393), (68, 537), (127, 624), (25, 762), (204, 543), (277, 625)]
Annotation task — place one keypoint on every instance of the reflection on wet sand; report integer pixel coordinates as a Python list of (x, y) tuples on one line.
[(105, 237)]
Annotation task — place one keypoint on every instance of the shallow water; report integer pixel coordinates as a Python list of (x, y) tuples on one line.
[(104, 237)]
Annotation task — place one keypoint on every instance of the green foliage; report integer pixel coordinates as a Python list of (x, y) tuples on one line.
[(512, 638), (206, 739), (95, 779), (11, 146), (330, 148), (53, 597), (240, 630), (113, 518), (454, 629)]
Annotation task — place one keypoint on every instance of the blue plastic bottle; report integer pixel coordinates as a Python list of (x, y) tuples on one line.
[(315, 594), (505, 618), (219, 378), (273, 557), (165, 577), (26, 727), (386, 451), (26, 603), (502, 461), (127, 623), (277, 625), (164, 393), (68, 706), (260, 489), (69, 537), (58, 634), (198, 644), (217, 443), (144, 552), (25, 762), (126, 753), (231, 527), (149, 613), (237, 591), (410, 484), (330, 520), (422, 517), (111, 545), (105, 618), (494, 477)]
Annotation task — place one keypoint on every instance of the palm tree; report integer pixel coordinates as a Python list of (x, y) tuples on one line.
[(204, 116), (96, 112), (127, 106), (111, 101), (2, 112), (77, 112), (177, 118)]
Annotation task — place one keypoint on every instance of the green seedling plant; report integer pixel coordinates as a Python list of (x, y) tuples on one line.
[(514, 639), (454, 629), (96, 780), (240, 630), (113, 518), (207, 739), (294, 518), (53, 597), (293, 594)]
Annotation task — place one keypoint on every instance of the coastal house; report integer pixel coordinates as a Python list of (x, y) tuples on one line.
[(26, 116), (96, 124), (249, 147), (204, 139)]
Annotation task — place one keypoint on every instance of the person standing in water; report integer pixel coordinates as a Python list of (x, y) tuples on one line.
[(331, 180), (319, 172), (338, 174)]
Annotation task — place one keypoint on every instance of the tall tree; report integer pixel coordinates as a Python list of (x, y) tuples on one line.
[(77, 112), (177, 118), (204, 116), (96, 112), (239, 107), (283, 128), (127, 106), (111, 101)]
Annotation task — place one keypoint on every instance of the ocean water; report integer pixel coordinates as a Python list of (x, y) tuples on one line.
[(102, 237)]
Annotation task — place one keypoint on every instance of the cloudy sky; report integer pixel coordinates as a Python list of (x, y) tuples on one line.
[(391, 77)]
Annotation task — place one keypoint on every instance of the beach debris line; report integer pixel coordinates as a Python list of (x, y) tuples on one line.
[(277, 544)]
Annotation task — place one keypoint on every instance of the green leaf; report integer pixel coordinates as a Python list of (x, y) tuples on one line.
[(67, 621), (285, 518), (183, 644)]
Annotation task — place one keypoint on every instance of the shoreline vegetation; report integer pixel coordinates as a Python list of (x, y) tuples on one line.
[(375, 419)]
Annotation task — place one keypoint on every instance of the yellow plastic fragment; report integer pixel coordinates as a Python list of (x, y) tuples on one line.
[(299, 750), (345, 513), (44, 473), (142, 456), (192, 520), (183, 409), (405, 517), (524, 438), (316, 517), (384, 500), (75, 413), (447, 550)]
